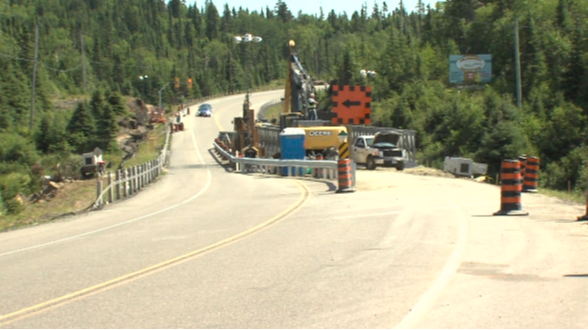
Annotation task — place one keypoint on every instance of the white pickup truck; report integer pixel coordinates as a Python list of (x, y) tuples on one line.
[(379, 150)]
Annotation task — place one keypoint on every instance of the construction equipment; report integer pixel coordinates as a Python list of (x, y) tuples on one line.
[(157, 116), (265, 137)]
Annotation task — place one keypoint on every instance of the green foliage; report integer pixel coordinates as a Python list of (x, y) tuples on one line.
[(572, 170), (3, 208), (62, 166), (116, 102), (82, 129), (120, 41), (506, 140), (50, 137), (10, 186), (17, 149)]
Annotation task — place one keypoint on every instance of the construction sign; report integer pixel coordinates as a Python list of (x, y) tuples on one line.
[(344, 150), (352, 104)]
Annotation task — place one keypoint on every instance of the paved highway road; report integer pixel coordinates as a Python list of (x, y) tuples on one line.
[(206, 248)]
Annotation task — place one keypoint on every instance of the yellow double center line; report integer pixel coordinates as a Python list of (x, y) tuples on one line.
[(77, 295)]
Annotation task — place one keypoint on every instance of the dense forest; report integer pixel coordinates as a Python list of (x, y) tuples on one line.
[(101, 51)]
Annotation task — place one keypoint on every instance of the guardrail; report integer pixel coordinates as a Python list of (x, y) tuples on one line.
[(324, 169), (128, 181)]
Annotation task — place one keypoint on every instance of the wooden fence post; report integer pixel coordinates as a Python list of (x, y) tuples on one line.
[(99, 191), (130, 179), (117, 178), (110, 188)]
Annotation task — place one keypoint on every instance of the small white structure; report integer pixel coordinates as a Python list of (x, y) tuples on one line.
[(91, 161), (464, 167)]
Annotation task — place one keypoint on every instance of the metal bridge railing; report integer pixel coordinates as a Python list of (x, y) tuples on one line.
[(324, 169)]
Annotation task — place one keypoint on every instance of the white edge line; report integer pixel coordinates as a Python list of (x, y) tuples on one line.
[(202, 191)]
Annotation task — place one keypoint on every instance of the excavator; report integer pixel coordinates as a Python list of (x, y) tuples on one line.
[(263, 139)]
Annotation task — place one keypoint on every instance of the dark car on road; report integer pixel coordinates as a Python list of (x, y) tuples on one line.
[(204, 110)]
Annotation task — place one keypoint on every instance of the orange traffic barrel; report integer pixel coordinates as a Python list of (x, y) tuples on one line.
[(345, 177), (531, 174), (523, 160), (510, 189)]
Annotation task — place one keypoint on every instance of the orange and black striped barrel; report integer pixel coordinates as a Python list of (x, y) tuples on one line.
[(523, 160), (510, 189), (531, 174), (344, 175)]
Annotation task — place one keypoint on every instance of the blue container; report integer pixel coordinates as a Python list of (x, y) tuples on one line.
[(292, 147)]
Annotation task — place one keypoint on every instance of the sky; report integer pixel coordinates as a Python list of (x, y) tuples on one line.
[(313, 6)]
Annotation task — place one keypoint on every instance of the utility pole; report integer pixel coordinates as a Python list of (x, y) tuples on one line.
[(83, 62), (34, 79), (518, 63), (230, 73), (159, 92)]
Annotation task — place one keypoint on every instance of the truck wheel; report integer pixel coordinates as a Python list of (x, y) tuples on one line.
[(400, 167), (370, 163)]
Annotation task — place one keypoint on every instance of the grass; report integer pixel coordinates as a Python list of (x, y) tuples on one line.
[(149, 149), (570, 197), (566, 196), (72, 197), (273, 112), (80, 195)]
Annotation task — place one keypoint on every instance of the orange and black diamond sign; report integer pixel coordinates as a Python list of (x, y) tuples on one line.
[(352, 104)]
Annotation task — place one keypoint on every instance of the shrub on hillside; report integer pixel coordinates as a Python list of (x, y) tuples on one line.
[(10, 186), (17, 149)]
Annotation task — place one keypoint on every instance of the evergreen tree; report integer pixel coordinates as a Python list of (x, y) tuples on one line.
[(106, 128), (97, 104), (212, 21), (115, 100), (81, 129), (282, 12)]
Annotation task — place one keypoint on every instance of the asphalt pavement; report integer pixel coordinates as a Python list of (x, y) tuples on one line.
[(205, 247)]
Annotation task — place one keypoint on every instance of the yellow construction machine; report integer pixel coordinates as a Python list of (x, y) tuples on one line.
[(264, 138)]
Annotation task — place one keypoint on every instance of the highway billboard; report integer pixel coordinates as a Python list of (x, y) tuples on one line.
[(467, 69)]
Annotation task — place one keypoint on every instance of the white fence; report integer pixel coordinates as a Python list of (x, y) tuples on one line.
[(127, 182)]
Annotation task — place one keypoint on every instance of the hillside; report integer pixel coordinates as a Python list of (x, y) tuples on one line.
[(102, 51)]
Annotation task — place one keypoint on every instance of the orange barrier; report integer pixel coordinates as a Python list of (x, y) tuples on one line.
[(345, 177), (510, 189), (523, 160), (531, 174)]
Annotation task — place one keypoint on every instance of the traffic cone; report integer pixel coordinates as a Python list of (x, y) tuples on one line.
[(510, 189)]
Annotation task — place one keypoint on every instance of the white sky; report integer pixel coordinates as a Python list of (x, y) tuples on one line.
[(313, 6)]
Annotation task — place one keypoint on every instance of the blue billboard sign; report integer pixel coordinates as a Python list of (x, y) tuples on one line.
[(465, 69)]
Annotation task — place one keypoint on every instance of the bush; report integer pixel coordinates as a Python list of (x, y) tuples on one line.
[(13, 206), (3, 209), (15, 148), (571, 169), (12, 184), (70, 167)]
